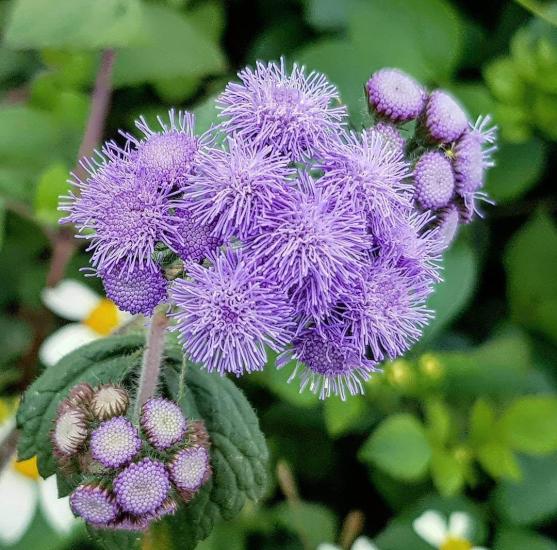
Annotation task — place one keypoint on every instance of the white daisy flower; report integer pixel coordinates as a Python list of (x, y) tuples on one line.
[(23, 491), (93, 316), (455, 534), (361, 543)]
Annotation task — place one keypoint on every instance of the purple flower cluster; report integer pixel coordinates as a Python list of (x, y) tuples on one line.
[(291, 232), (132, 475)]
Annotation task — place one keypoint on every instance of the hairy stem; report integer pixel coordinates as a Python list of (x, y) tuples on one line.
[(152, 358)]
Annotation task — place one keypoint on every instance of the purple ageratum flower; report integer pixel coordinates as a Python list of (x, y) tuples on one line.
[(234, 187), (327, 362), (291, 112), (390, 134), (170, 154), (447, 222), (472, 156), (125, 522), (142, 487), (190, 469), (228, 313), (115, 442), (136, 290), (122, 213), (312, 245), (195, 241), (386, 311), (367, 172), (445, 119), (163, 422), (94, 504), (394, 94), (434, 180), (409, 244)]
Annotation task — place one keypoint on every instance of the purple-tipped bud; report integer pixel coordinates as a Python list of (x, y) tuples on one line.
[(70, 430), (94, 504), (469, 163), (445, 119), (115, 442), (138, 290), (163, 422), (125, 522), (190, 469), (197, 434), (142, 487), (448, 219), (434, 180), (81, 395), (167, 508), (108, 401), (395, 95), (194, 240), (390, 134)]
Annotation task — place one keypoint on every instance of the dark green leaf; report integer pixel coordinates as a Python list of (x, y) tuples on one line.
[(519, 539)]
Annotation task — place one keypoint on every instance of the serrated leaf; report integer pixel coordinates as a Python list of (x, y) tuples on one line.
[(398, 446), (528, 424), (238, 451), (78, 24)]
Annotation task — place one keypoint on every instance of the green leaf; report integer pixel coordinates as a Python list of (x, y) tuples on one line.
[(528, 424), (531, 264), (498, 460), (423, 36), (482, 422), (533, 500), (327, 14), (438, 421), (447, 472), (314, 523), (52, 183), (78, 24), (398, 446), (206, 114), (518, 168), (341, 416), (238, 451), (518, 539), (453, 293), (174, 48)]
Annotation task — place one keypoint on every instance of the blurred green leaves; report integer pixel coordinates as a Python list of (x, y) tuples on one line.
[(80, 24), (531, 264)]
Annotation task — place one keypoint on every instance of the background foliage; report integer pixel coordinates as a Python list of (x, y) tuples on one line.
[(468, 420)]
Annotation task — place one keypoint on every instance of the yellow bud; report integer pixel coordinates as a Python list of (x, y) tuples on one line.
[(430, 366)]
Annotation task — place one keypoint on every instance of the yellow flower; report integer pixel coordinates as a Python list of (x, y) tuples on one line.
[(432, 527), (93, 316)]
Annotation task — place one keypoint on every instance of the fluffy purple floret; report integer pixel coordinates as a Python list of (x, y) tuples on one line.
[(291, 111), (163, 422), (386, 311), (327, 362), (122, 213), (235, 186), (445, 119), (394, 94), (390, 134), (94, 504), (115, 442), (228, 313), (434, 180), (142, 487), (447, 226), (313, 245), (195, 240), (364, 171), (136, 290), (190, 469), (170, 154)]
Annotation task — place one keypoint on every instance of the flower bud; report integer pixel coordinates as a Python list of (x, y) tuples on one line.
[(109, 400)]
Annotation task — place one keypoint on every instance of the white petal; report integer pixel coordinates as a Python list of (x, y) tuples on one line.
[(460, 525), (56, 510), (17, 504), (65, 340), (432, 527), (363, 543), (71, 300)]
